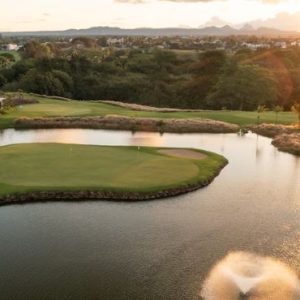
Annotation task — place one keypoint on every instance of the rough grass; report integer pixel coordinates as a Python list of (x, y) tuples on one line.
[(63, 167), (72, 108)]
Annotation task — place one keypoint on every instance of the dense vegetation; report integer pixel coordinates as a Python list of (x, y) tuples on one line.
[(209, 80)]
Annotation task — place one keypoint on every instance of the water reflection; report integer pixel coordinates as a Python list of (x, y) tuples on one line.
[(107, 137), (80, 136), (242, 275), (146, 139), (151, 250)]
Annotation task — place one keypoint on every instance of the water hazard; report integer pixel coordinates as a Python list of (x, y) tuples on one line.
[(162, 249)]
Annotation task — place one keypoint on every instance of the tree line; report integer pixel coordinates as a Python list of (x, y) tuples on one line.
[(208, 80)]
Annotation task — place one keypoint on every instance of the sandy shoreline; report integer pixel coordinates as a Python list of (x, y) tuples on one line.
[(288, 143), (285, 138), (115, 122)]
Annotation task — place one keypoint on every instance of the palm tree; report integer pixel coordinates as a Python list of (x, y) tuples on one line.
[(296, 109), (277, 109), (260, 109)]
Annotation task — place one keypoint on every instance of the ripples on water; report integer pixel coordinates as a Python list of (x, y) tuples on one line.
[(152, 250)]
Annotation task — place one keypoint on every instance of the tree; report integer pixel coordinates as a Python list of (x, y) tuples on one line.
[(296, 109), (210, 63), (102, 41), (9, 56), (205, 75), (34, 49), (48, 83), (2, 80), (163, 57), (87, 42), (244, 87), (4, 62), (5, 107)]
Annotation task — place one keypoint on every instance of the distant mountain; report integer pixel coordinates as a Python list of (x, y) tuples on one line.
[(248, 28), (116, 31)]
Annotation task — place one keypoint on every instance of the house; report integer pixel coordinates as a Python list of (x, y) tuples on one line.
[(115, 41), (2, 102), (282, 45), (295, 44), (256, 46), (12, 47)]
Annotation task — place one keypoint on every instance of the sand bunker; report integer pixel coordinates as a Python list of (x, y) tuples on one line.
[(183, 153), (140, 107)]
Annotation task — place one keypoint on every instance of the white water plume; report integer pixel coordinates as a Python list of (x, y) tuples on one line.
[(242, 275)]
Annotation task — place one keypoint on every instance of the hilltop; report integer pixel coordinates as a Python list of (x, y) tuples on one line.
[(117, 31)]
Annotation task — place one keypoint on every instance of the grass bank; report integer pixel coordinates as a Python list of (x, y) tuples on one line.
[(51, 107), (35, 172)]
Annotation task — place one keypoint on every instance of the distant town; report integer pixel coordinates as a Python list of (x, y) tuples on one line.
[(228, 43)]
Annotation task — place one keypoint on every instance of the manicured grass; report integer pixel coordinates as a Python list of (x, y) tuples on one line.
[(64, 167), (14, 53), (72, 108)]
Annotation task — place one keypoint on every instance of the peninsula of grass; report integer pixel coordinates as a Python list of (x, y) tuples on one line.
[(42, 172), (49, 107)]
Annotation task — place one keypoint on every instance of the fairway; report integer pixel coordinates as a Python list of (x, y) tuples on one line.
[(16, 54), (63, 167), (72, 108)]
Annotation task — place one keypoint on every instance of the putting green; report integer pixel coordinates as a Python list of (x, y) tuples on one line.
[(64, 167)]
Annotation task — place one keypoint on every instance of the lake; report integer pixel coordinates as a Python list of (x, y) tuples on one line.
[(159, 249)]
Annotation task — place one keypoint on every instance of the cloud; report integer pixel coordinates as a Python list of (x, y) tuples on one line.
[(131, 1), (192, 1), (272, 1), (283, 21), (174, 1), (216, 21)]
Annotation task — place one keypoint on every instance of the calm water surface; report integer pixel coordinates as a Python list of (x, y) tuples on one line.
[(151, 250)]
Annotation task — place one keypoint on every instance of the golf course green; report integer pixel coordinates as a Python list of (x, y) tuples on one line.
[(65, 171), (51, 107)]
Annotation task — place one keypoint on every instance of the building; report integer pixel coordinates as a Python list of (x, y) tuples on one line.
[(12, 47), (282, 45)]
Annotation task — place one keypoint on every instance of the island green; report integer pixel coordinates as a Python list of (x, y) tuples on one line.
[(29, 168)]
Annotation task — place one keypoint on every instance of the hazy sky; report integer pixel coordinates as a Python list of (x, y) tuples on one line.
[(23, 15)]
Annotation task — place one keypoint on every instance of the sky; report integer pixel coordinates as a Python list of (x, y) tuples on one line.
[(21, 15)]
